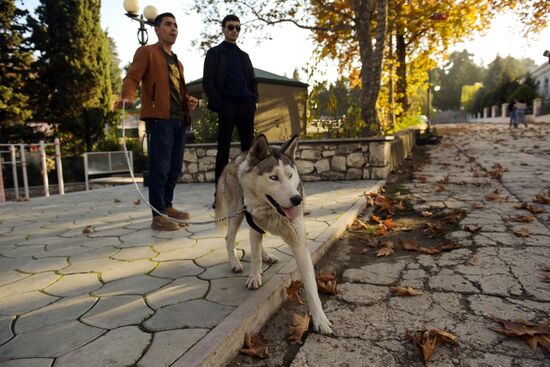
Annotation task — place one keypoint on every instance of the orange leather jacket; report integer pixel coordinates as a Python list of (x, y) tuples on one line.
[(150, 67)]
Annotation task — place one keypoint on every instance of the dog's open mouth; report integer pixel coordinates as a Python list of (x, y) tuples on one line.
[(290, 213)]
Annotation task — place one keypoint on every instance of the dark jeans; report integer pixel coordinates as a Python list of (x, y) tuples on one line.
[(167, 142), (231, 115)]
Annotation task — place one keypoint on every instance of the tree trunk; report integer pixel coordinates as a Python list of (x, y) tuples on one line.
[(401, 52), (371, 57)]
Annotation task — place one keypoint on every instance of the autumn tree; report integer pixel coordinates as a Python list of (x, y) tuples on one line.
[(357, 24), (73, 89)]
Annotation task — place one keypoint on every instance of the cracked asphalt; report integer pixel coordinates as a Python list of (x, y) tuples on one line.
[(494, 273)]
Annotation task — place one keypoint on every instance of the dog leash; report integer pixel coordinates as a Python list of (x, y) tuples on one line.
[(189, 223)]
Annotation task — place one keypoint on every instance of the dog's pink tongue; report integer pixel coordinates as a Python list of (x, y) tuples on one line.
[(290, 212)]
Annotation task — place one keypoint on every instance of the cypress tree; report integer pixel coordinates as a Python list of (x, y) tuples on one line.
[(73, 88)]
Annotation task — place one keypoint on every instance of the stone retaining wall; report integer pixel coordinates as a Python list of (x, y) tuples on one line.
[(319, 160)]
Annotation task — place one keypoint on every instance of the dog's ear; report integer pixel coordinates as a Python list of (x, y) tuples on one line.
[(289, 147), (259, 149)]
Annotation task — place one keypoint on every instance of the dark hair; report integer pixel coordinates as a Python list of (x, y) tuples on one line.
[(160, 17), (230, 18)]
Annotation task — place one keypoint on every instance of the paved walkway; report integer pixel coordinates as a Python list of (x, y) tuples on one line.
[(495, 273), (125, 294)]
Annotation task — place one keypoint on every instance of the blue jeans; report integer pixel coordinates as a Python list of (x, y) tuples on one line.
[(167, 142)]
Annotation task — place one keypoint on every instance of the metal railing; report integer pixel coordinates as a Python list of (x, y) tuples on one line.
[(100, 163)]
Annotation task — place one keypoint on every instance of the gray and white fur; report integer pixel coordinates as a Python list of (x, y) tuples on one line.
[(266, 180)]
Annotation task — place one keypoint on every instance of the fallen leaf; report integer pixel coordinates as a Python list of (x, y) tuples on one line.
[(535, 209), (326, 282), (440, 188), (88, 229), (117, 200), (532, 334), (376, 218), (429, 250), (422, 178), (386, 249), (405, 291), (475, 261), (478, 205), (383, 204), (444, 180), (292, 292), (448, 246), (522, 218), (409, 246), (432, 229), (300, 324), (255, 347), (426, 213), (400, 205), (541, 199), (426, 341), (521, 232), (381, 230), (357, 225), (389, 224), (444, 335), (137, 202)]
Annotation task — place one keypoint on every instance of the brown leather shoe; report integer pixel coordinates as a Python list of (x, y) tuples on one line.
[(178, 215), (161, 223)]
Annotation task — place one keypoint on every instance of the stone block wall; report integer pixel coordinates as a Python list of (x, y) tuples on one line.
[(319, 160)]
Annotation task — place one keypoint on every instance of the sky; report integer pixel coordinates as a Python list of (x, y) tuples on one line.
[(292, 47)]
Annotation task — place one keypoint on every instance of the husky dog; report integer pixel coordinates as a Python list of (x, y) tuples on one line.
[(266, 180)]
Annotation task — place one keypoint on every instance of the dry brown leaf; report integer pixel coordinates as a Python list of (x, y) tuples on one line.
[(405, 291), (383, 204), (426, 213), (255, 347), (475, 261), (522, 218), (137, 202), (357, 225), (389, 223), (88, 229), (461, 183), (300, 324), (432, 229), (429, 250), (444, 180), (448, 246), (454, 217), (521, 232), (376, 218), (422, 178), (408, 245), (440, 188), (117, 200), (381, 230), (478, 205), (386, 249), (495, 196), (400, 205), (292, 292), (326, 282), (426, 341), (541, 199), (532, 334)]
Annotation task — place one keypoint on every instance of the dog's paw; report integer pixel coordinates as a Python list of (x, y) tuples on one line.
[(237, 267), (322, 325), (268, 258), (254, 282)]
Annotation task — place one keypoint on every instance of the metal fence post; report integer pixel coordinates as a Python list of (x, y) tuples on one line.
[(85, 156), (44, 168), (2, 194), (59, 166), (14, 171), (24, 170)]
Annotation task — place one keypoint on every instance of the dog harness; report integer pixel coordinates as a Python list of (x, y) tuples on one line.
[(251, 222)]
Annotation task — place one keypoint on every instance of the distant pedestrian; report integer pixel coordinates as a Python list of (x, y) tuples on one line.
[(512, 113), (520, 108), (232, 90)]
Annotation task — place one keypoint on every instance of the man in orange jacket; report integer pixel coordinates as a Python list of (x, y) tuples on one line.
[(165, 107)]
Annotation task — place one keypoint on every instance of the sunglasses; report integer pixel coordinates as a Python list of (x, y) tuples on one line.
[(232, 27)]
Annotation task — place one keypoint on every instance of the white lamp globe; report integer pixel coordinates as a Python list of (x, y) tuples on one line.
[(131, 6), (150, 12)]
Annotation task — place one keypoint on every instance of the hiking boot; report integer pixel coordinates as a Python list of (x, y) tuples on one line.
[(178, 215), (161, 223)]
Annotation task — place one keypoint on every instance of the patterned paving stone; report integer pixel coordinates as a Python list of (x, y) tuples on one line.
[(50, 341), (191, 314), (125, 269), (136, 285), (229, 291), (32, 283), (113, 312), (28, 362), (177, 269), (5, 328), (119, 347), (24, 302), (180, 290), (65, 309), (74, 285), (10, 276), (134, 253), (47, 264), (168, 346)]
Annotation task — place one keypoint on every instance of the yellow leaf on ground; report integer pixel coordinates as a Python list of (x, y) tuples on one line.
[(405, 291), (386, 249), (292, 292), (300, 325), (326, 282), (521, 232), (255, 347)]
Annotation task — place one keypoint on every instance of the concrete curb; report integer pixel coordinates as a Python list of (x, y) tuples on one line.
[(223, 342)]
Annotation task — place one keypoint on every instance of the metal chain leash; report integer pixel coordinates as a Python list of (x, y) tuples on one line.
[(130, 168)]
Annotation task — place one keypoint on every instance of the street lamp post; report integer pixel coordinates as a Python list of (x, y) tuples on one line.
[(147, 18)]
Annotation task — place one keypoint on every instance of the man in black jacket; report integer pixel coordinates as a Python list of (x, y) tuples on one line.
[(232, 90)]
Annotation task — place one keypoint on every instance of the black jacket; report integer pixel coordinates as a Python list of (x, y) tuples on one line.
[(215, 71)]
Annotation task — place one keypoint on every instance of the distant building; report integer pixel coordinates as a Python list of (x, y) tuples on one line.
[(281, 111), (542, 75)]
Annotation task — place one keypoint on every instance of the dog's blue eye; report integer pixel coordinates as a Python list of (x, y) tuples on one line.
[(274, 178)]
